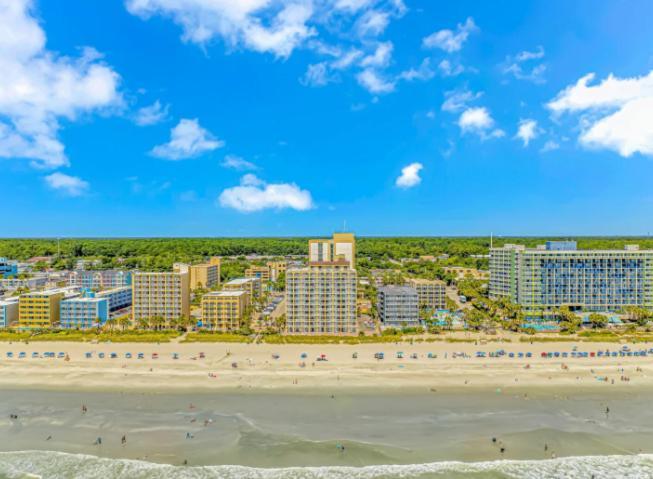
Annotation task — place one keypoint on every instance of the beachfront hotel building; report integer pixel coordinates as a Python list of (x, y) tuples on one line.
[(83, 313), (117, 298), (558, 274), (252, 285), (41, 309), (97, 280), (398, 306), (430, 293), (8, 312), (321, 297), (33, 283), (161, 295), (224, 310)]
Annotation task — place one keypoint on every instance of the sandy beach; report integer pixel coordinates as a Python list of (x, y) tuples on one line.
[(253, 366)]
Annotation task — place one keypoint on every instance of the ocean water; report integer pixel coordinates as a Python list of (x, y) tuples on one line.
[(382, 434), (55, 465)]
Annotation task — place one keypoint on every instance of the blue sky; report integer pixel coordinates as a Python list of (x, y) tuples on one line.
[(277, 118)]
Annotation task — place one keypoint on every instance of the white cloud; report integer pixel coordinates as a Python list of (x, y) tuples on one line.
[(457, 100), (527, 131), (373, 22), (479, 121), (374, 82), (409, 176), (447, 69), (424, 72), (254, 194), (619, 112), (38, 88), (550, 145), (238, 163), (317, 75), (259, 25), (381, 56), (68, 185), (514, 65), (151, 115), (187, 140), (451, 41)]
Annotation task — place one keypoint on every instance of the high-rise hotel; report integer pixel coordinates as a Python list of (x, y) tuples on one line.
[(558, 274), (161, 295), (321, 297)]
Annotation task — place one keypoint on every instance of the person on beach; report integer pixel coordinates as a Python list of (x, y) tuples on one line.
[(98, 441), (84, 409), (124, 439)]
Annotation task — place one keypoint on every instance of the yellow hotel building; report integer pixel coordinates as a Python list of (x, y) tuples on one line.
[(164, 295), (252, 285), (224, 310), (39, 309)]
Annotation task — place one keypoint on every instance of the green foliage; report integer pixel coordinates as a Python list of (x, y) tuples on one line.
[(211, 337)]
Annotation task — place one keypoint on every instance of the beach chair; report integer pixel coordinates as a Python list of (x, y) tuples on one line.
[(564, 355), (354, 356), (520, 355), (275, 356), (101, 355), (128, 355), (430, 355), (592, 354), (511, 355), (400, 355), (114, 355), (413, 356), (22, 355), (175, 356), (529, 355), (202, 356), (35, 355), (303, 355), (10, 354), (155, 355), (556, 354), (61, 355), (88, 355), (141, 356)]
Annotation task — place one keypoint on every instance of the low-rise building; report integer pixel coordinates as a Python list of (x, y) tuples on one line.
[(97, 280), (276, 269), (224, 310), (252, 285), (431, 293), (7, 269), (260, 272), (398, 306), (8, 312), (34, 283), (83, 313)]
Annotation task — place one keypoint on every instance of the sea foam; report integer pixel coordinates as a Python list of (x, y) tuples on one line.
[(55, 465)]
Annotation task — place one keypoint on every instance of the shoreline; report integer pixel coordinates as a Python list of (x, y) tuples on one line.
[(256, 369)]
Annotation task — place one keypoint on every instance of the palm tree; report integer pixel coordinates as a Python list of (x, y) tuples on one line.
[(142, 323), (111, 324), (124, 322)]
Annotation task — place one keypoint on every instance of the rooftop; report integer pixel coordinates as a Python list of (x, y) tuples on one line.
[(225, 293)]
